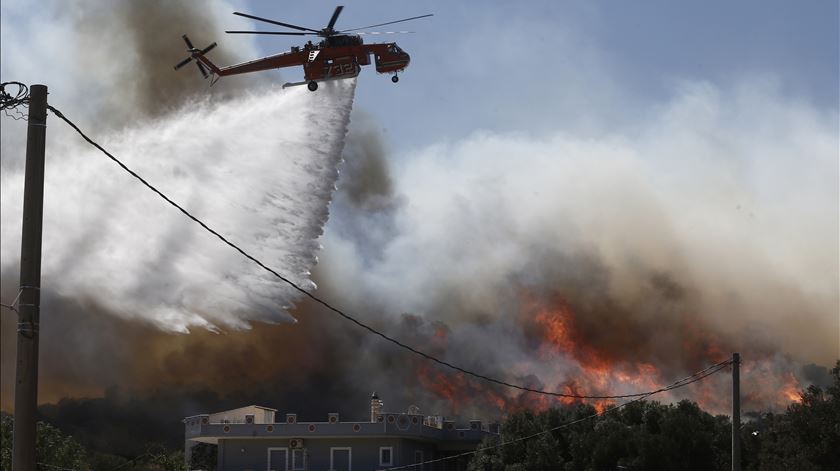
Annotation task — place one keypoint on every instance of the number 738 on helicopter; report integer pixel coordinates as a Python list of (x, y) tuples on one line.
[(339, 54)]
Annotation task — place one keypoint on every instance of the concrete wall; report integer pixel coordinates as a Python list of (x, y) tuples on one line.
[(395, 426), (262, 415), (250, 454)]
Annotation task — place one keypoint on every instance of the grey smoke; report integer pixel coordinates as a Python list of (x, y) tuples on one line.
[(711, 222)]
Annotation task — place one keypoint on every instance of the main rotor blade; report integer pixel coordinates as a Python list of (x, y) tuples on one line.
[(280, 33), (335, 16), (384, 32), (183, 63), (208, 48), (388, 23), (287, 25)]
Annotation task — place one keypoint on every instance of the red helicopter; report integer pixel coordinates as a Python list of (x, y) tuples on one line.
[(338, 55)]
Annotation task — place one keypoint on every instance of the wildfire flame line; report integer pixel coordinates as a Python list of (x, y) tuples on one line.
[(698, 376)]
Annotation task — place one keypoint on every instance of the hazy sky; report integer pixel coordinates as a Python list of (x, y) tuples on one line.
[(540, 66), (536, 66)]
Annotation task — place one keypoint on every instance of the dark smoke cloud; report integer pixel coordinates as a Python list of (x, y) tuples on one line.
[(367, 184), (133, 47)]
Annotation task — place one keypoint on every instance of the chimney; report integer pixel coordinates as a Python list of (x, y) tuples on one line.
[(375, 407)]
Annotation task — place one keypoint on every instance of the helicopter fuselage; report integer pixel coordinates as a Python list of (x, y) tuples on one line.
[(339, 56)]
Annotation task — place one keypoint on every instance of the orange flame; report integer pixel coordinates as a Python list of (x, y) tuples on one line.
[(587, 371), (790, 388)]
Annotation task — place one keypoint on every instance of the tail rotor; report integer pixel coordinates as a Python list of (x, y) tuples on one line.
[(194, 53)]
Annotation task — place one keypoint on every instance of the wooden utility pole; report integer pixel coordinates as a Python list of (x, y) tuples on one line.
[(26, 380), (736, 412)]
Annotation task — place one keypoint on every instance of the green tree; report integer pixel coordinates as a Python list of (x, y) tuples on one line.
[(156, 458), (653, 436), (204, 456), (53, 449), (643, 435), (805, 437)]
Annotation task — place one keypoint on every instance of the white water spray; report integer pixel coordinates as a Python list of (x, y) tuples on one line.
[(259, 169)]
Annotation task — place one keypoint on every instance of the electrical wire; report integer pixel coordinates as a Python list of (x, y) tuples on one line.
[(12, 305), (149, 453), (700, 375), (9, 103), (325, 304)]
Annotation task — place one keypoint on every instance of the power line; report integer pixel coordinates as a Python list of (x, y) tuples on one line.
[(325, 303), (11, 306), (9, 103), (149, 453), (700, 375)]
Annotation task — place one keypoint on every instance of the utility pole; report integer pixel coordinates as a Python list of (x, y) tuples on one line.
[(736, 412), (26, 380)]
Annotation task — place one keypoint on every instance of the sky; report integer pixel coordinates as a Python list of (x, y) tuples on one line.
[(577, 65), (668, 170)]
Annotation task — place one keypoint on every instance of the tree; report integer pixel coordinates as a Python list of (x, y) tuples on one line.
[(53, 448), (204, 456), (805, 437), (653, 436), (642, 435)]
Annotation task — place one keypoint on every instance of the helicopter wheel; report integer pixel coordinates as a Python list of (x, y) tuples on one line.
[(395, 79), (312, 86)]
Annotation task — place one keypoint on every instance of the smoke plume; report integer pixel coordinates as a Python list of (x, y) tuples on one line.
[(604, 264)]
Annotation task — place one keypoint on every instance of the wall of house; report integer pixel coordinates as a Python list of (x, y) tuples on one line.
[(250, 454), (261, 415)]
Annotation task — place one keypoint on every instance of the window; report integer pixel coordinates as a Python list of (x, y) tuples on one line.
[(278, 459), (340, 458), (298, 459), (386, 456)]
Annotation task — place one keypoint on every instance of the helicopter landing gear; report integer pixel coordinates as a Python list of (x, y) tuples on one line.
[(395, 78), (312, 86)]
